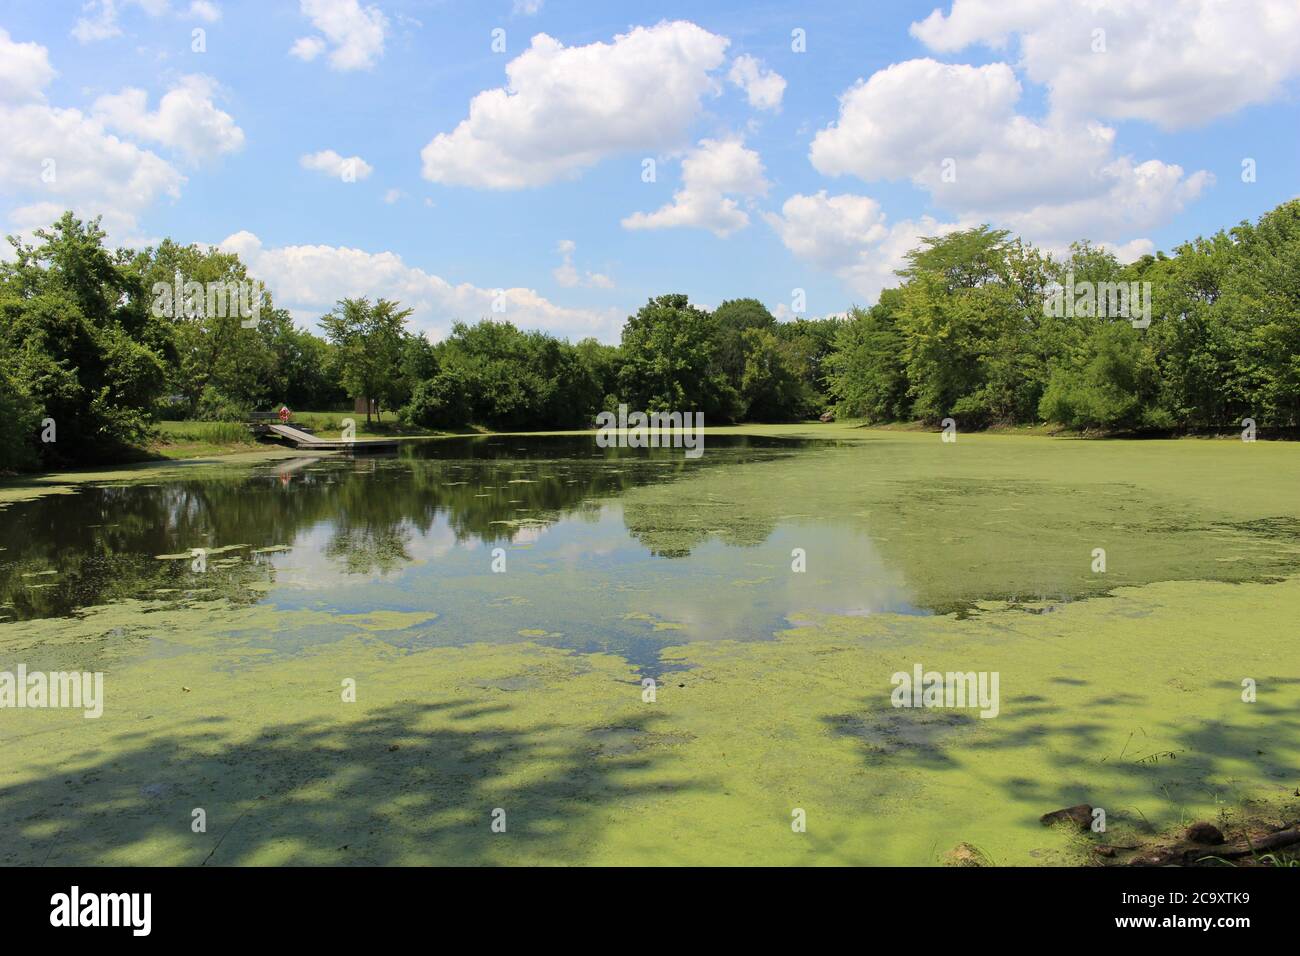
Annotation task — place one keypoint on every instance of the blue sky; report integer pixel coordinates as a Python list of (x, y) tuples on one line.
[(776, 169)]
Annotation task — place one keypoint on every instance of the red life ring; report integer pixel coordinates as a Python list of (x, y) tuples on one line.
[(284, 413)]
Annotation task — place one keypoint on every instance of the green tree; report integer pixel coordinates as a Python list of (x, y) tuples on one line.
[(971, 309), (79, 343), (671, 361), (493, 374), (368, 342), (19, 417), (865, 371), (1114, 388), (733, 318), (774, 385)]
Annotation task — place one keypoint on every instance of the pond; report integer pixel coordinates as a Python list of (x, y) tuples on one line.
[(641, 657)]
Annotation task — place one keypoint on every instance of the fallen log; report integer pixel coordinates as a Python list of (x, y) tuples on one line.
[(1270, 841), (1185, 855)]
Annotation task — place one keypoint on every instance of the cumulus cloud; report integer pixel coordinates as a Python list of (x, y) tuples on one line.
[(349, 169), (1130, 251), (829, 230), (712, 173), (52, 159), (954, 131), (186, 120), (307, 48), (763, 87), (1176, 63), (24, 70), (353, 34), (564, 109), (101, 24), (101, 20), (567, 275), (204, 10), (848, 235), (309, 279)]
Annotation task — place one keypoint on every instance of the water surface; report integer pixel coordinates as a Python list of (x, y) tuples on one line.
[(479, 688)]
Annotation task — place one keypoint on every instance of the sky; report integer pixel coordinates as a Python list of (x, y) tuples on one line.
[(557, 163)]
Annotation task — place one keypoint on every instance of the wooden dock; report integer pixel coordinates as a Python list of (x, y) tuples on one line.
[(305, 440)]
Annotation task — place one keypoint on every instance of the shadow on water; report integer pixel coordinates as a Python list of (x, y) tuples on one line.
[(1079, 751), (408, 783)]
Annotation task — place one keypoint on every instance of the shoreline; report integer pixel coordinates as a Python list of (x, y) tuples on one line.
[(24, 486)]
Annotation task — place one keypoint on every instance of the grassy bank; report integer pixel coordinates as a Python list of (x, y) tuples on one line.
[(194, 439), (185, 440)]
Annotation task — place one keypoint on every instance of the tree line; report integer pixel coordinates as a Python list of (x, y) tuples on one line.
[(974, 331)]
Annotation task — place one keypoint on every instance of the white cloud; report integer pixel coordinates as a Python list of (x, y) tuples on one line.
[(567, 275), (101, 22), (205, 10), (914, 113), (711, 171), (349, 169), (186, 120), (848, 236), (355, 34), (309, 279), (953, 130), (24, 70), (1132, 197), (783, 313), (829, 230), (307, 48), (100, 25), (1130, 251), (564, 109), (392, 195), (1176, 63), (527, 8), (53, 159), (763, 87)]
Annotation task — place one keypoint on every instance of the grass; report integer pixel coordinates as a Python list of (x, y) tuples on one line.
[(200, 439), (330, 424), (196, 439)]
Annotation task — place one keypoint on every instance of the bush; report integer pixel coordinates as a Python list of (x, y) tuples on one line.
[(215, 407)]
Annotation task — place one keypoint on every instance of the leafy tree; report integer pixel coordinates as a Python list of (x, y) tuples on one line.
[(493, 374), (19, 417), (1264, 292), (733, 318), (601, 364), (865, 372), (814, 340), (214, 360), (368, 342), (79, 343), (1115, 388), (971, 307), (671, 361), (774, 385)]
